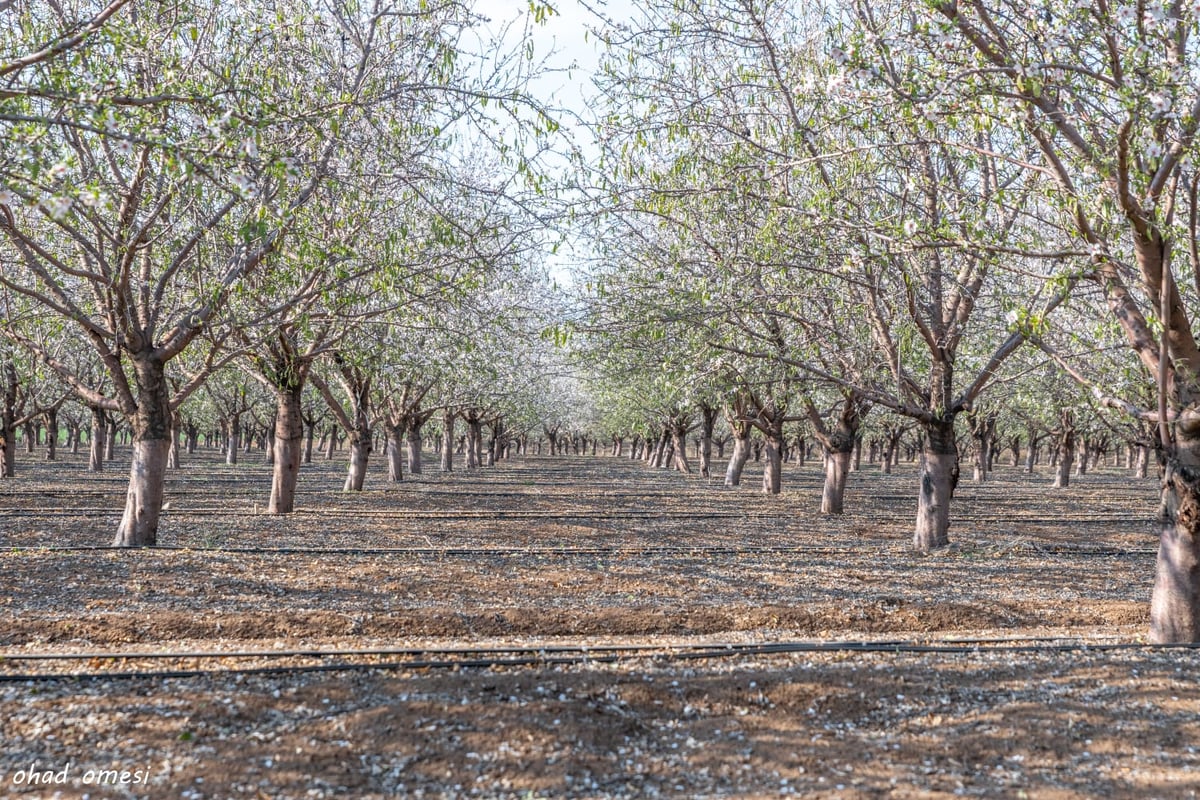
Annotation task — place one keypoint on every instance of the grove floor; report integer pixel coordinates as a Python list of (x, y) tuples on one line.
[(580, 550)]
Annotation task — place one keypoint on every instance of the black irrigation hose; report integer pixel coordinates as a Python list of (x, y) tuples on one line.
[(485, 658), (497, 552)]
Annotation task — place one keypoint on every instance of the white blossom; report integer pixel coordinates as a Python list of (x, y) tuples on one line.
[(59, 170), (911, 227), (839, 56), (124, 148), (244, 185), (250, 147), (1126, 15), (1152, 150), (57, 207), (7, 197), (1161, 102)]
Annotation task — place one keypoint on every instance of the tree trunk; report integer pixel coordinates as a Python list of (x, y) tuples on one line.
[(289, 433), (448, 441), (52, 434), (360, 450), (173, 454), (110, 444), (1143, 461), (151, 425), (309, 434), (680, 445), (1062, 478), (474, 442), (414, 449), (772, 465), (97, 440), (1175, 601), (938, 478), (1031, 457), (8, 451), (331, 445), (395, 451), (737, 460), (234, 441), (837, 468)]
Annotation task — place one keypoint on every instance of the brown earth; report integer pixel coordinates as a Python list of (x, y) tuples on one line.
[(546, 552)]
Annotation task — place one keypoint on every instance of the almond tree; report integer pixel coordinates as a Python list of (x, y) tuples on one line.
[(1108, 95)]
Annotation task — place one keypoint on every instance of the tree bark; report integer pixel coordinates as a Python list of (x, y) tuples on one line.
[(738, 459), (448, 441), (151, 424), (97, 440), (414, 449), (1175, 601), (51, 434), (289, 434), (1143, 461), (938, 479), (233, 443), (837, 468), (679, 442), (360, 450), (772, 480), (395, 451)]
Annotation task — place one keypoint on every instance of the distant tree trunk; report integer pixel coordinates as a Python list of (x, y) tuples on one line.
[(938, 480), (173, 457), (331, 444), (51, 434), (309, 434), (708, 421), (679, 444), (110, 444), (1066, 450), (1143, 461), (233, 443), (395, 451), (448, 440)]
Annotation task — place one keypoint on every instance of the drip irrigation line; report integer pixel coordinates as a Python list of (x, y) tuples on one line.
[(492, 658), (664, 550)]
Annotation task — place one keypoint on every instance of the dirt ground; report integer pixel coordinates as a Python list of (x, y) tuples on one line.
[(554, 552)]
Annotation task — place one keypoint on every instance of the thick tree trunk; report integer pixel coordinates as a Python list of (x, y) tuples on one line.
[(837, 468), (1175, 601), (148, 466), (938, 478), (360, 450), (680, 446), (1143, 461), (737, 460), (395, 452), (1031, 457), (110, 444), (414, 449), (448, 441), (289, 433), (772, 465)]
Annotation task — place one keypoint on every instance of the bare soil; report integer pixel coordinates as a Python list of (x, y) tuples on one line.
[(542, 552)]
